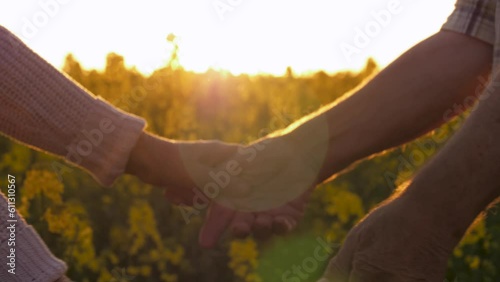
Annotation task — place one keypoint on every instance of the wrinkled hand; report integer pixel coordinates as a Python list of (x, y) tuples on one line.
[(275, 217), (263, 176), (396, 242), (184, 168), (279, 180), (260, 189)]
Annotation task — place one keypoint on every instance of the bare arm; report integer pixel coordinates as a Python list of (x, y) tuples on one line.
[(410, 97), (463, 178), (433, 213)]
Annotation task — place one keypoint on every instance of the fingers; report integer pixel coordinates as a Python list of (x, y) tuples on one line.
[(217, 220), (241, 225), (263, 226), (283, 224), (286, 218), (279, 221)]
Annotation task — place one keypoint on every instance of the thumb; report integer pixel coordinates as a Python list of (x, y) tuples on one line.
[(217, 220)]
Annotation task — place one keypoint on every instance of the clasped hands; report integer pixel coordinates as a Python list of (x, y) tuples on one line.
[(259, 189), (262, 189)]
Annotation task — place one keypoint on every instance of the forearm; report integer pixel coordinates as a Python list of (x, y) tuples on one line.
[(407, 99), (462, 180)]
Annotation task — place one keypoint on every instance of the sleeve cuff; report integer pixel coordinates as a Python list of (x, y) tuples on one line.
[(104, 142)]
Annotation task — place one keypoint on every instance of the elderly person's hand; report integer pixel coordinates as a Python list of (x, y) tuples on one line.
[(399, 241), (261, 190), (249, 187)]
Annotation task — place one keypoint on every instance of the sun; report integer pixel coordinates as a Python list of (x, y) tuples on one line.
[(251, 36)]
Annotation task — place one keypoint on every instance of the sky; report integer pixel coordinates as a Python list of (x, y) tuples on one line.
[(240, 36)]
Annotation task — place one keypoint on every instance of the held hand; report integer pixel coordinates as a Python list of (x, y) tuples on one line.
[(262, 225), (280, 179), (177, 165), (263, 176), (241, 199), (395, 242)]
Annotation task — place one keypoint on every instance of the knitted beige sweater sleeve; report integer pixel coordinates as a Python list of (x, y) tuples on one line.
[(44, 109), (31, 259)]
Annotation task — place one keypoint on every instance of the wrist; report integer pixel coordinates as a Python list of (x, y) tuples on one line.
[(143, 158), (328, 154), (311, 149), (157, 161)]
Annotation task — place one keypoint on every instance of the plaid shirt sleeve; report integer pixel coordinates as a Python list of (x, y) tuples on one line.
[(475, 18)]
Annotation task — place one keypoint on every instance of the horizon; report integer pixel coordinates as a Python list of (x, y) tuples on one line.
[(223, 35)]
